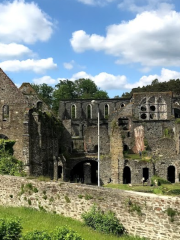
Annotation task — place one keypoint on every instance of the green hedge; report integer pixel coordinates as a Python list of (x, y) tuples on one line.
[(103, 221)]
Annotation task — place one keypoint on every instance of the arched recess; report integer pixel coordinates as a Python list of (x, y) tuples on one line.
[(2, 136), (73, 111), (5, 113), (146, 174), (77, 172), (171, 174), (106, 111), (39, 105), (89, 111), (126, 175)]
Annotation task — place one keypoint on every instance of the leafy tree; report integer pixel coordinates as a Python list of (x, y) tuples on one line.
[(65, 89), (81, 88), (45, 92)]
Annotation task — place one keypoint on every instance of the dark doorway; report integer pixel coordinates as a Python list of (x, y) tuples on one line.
[(126, 175), (171, 174), (146, 174), (59, 171), (77, 173)]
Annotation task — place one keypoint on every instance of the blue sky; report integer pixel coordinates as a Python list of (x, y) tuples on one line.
[(119, 44)]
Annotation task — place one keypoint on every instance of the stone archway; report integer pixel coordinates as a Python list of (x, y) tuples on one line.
[(85, 172), (126, 175), (171, 174)]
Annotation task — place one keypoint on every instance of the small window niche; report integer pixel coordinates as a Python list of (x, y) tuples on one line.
[(89, 111), (5, 114), (106, 111), (73, 111)]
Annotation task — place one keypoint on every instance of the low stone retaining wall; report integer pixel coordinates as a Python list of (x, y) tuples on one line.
[(141, 214)]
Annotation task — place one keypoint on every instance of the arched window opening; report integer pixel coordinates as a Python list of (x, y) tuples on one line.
[(95, 148), (106, 111), (59, 171), (126, 175), (145, 174), (171, 174), (39, 106), (122, 105), (89, 111), (73, 111), (5, 115)]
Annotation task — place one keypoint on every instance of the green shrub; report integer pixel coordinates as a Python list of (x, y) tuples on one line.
[(174, 192), (88, 197), (171, 213), (10, 229), (64, 233), (67, 199), (159, 180), (37, 235), (103, 221)]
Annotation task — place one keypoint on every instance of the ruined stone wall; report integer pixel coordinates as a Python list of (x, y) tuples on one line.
[(44, 143), (91, 139), (65, 198), (82, 104)]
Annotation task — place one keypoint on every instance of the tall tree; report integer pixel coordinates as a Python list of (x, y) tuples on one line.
[(45, 92)]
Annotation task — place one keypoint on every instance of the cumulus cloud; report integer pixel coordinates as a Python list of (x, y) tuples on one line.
[(13, 50), (96, 2), (37, 66), (165, 76), (21, 21), (45, 79), (106, 81), (148, 5), (69, 65), (103, 80), (151, 38)]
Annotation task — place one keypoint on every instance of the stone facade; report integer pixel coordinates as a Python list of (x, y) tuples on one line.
[(69, 199), (25, 118), (145, 122)]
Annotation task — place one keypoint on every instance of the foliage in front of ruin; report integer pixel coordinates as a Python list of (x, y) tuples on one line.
[(159, 180), (8, 163), (133, 207), (10, 229), (177, 121), (171, 213), (102, 221)]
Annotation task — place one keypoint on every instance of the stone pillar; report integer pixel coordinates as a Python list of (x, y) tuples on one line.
[(87, 173), (55, 168)]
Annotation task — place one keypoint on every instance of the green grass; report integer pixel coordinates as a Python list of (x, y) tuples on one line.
[(135, 156), (38, 220), (164, 189)]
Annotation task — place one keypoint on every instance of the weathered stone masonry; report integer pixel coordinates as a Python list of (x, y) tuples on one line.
[(147, 121), (153, 222), (25, 118)]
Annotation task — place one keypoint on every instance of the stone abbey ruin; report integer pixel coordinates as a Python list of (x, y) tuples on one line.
[(66, 147)]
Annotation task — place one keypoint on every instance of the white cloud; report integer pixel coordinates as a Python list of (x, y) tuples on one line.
[(103, 80), (21, 21), (96, 2), (106, 81), (13, 50), (69, 65), (165, 76), (148, 5), (45, 79), (152, 39), (37, 66)]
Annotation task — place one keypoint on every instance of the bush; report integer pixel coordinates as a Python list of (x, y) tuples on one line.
[(37, 235), (10, 229), (103, 222), (159, 180), (64, 233)]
